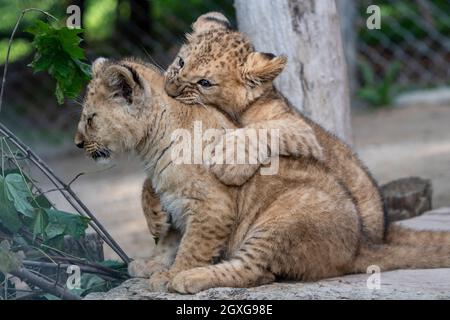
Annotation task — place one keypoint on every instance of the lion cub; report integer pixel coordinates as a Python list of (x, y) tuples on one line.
[(249, 100), (218, 67)]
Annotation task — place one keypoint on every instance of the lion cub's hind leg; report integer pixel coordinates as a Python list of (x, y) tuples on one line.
[(304, 235)]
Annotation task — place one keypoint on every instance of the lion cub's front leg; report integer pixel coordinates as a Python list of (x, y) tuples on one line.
[(167, 239), (157, 219), (235, 158), (161, 259), (258, 142), (207, 230)]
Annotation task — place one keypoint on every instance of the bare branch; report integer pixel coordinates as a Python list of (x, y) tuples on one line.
[(108, 275), (47, 286)]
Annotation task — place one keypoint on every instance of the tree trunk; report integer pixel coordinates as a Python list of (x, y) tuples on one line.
[(308, 32)]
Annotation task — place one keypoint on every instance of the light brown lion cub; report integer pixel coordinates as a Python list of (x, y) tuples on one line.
[(298, 224), (218, 67)]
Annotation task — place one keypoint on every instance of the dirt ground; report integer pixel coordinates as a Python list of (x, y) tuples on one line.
[(394, 143)]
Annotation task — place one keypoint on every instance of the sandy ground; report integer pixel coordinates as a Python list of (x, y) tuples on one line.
[(393, 143), (411, 141)]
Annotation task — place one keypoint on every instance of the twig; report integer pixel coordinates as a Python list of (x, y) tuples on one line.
[(47, 286), (85, 268), (94, 265), (75, 178), (11, 38)]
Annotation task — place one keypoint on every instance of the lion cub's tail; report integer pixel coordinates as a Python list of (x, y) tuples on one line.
[(406, 249)]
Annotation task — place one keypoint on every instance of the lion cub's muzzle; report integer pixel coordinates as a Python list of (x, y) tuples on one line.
[(96, 151), (173, 88)]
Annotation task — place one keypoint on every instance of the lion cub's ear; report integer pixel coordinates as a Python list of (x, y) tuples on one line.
[(123, 81), (260, 67), (210, 21), (98, 65)]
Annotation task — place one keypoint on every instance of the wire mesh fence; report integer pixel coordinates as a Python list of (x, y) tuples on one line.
[(414, 34)]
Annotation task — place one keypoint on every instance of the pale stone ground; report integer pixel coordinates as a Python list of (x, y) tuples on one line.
[(398, 285), (409, 141), (393, 143)]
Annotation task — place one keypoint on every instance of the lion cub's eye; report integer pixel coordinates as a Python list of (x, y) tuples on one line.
[(89, 120), (180, 62), (204, 83)]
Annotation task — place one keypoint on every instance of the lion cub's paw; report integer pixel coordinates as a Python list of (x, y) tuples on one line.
[(138, 269), (233, 148), (304, 144), (191, 281), (144, 268), (234, 174), (159, 281)]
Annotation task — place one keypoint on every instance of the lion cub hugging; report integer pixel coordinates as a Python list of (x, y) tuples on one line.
[(300, 223), (218, 67)]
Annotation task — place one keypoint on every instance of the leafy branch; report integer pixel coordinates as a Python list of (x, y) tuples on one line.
[(28, 220), (58, 53)]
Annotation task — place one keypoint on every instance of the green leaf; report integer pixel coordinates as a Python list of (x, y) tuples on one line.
[(56, 242), (113, 264), (8, 213), (18, 192), (70, 42), (42, 202), (91, 283), (58, 52), (40, 222), (54, 230), (63, 223), (85, 68), (39, 27)]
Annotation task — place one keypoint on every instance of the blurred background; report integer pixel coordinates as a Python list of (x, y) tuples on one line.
[(399, 75)]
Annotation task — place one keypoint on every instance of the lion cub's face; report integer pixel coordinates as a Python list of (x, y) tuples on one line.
[(217, 66), (109, 120)]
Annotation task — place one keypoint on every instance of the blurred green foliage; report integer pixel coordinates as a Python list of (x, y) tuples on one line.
[(378, 92), (397, 19), (19, 49), (99, 18), (10, 11)]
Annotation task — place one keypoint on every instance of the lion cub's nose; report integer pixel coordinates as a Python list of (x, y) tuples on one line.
[(80, 144), (79, 141), (173, 89)]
